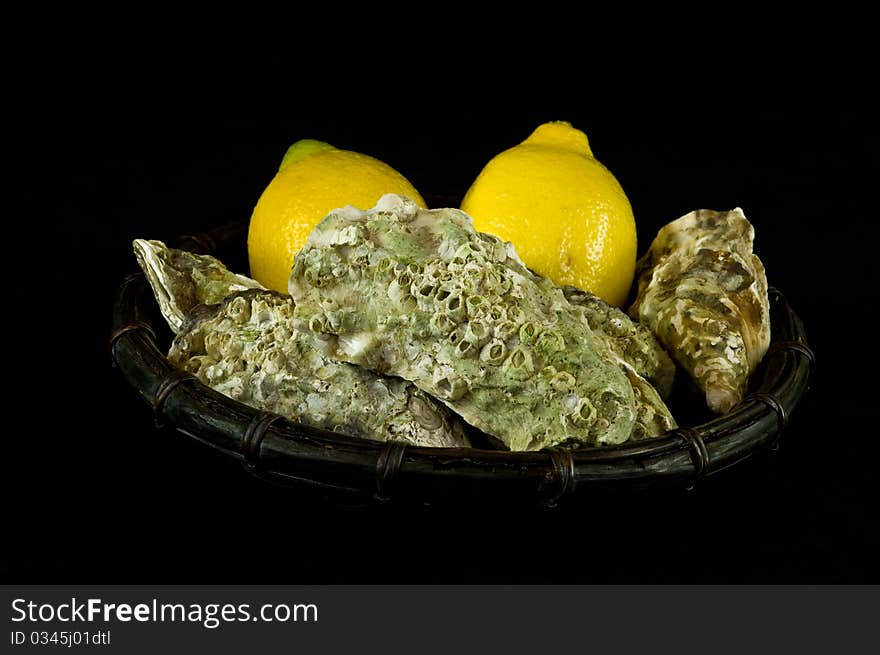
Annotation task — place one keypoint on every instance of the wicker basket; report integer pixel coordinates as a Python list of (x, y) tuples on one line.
[(285, 452)]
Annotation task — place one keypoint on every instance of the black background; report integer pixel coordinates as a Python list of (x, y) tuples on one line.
[(96, 494)]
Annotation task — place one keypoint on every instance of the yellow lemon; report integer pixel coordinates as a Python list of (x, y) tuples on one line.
[(314, 179), (564, 212)]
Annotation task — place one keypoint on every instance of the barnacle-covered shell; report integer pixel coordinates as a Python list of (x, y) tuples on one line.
[(181, 280), (294, 378), (244, 345), (633, 348), (703, 293), (633, 342), (497, 386)]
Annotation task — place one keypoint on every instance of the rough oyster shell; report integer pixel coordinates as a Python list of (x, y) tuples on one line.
[(247, 348), (181, 280), (421, 294), (703, 292), (633, 342), (244, 345)]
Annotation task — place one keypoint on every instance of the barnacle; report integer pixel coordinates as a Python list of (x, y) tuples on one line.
[(494, 353), (448, 385), (528, 332), (465, 348), (520, 365), (550, 341), (384, 266), (477, 331), (583, 412), (318, 324), (481, 341), (703, 293), (506, 330), (245, 345), (562, 381), (515, 314), (476, 305), (441, 324)]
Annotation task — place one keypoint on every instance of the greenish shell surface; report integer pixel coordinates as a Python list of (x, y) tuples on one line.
[(247, 348), (239, 339), (421, 295), (631, 341)]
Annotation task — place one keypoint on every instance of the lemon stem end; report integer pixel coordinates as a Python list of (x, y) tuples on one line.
[(302, 149)]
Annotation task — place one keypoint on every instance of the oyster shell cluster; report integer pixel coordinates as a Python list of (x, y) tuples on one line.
[(242, 343), (407, 324)]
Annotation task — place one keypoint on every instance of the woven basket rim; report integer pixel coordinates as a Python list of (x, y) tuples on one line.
[(285, 452)]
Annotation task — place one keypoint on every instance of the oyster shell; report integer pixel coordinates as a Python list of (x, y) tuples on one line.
[(653, 417), (246, 348), (244, 345), (421, 294), (633, 342), (703, 292), (181, 280)]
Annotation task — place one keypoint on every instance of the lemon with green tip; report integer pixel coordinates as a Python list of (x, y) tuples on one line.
[(314, 178)]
